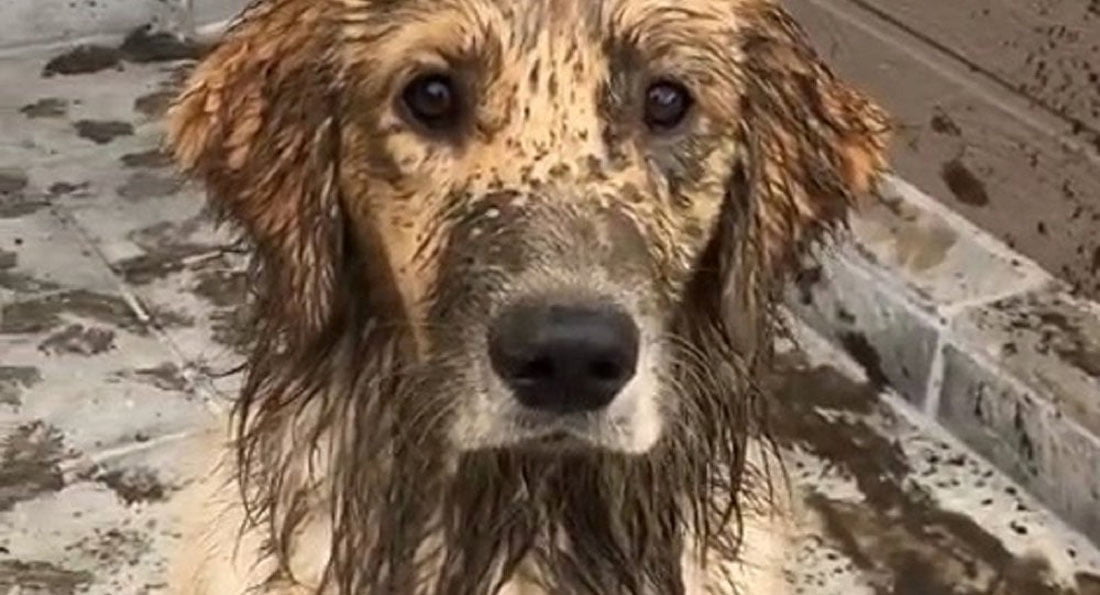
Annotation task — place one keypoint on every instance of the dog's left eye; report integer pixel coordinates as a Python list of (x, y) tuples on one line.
[(666, 104), (432, 100)]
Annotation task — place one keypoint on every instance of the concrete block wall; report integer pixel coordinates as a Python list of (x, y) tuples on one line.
[(999, 345)]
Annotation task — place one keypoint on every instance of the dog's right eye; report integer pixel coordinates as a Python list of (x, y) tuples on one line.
[(432, 100)]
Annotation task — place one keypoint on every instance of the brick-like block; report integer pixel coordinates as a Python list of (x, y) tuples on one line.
[(893, 340), (1021, 433), (1050, 341), (944, 260)]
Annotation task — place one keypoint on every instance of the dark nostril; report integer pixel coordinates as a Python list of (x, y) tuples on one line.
[(564, 358), (540, 368), (606, 370)]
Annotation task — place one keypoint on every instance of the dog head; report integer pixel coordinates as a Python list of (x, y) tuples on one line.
[(543, 193), (533, 245)]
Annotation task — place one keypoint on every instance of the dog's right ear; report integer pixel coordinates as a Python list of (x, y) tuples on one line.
[(255, 123)]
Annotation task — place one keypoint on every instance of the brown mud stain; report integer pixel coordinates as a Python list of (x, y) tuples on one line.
[(166, 376), (113, 548), (146, 268), (17, 281), (166, 317), (47, 107), (145, 45), (45, 313), (222, 288), (155, 104), (65, 188), (30, 463), (142, 185), (14, 380), (865, 354), (78, 340), (898, 537), (1071, 342), (135, 486), (83, 59), (943, 124), (13, 199), (12, 180), (228, 291), (41, 578), (962, 182), (151, 159), (102, 131)]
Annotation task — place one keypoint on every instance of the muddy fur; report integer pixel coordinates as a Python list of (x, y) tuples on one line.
[(358, 459)]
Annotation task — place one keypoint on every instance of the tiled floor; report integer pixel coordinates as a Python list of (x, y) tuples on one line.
[(118, 323)]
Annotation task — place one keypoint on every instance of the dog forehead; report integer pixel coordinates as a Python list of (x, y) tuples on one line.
[(525, 22)]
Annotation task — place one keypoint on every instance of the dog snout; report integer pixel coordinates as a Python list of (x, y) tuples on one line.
[(564, 358)]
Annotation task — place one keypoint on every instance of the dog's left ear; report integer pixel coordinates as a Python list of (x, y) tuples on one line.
[(813, 144)]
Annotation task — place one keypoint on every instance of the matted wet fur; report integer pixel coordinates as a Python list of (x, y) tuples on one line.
[(373, 449)]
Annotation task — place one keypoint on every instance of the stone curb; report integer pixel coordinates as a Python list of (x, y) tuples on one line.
[(975, 336)]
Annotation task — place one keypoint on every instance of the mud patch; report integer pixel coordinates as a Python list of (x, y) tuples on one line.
[(47, 107), (222, 288), (134, 486), (30, 463), (78, 340), (102, 132), (231, 328), (142, 185), (146, 268), (943, 124), (14, 380), (83, 59), (113, 548), (166, 376), (144, 45), (155, 104), (168, 318), (17, 281), (41, 578), (45, 313), (151, 159), (65, 188), (897, 536), (865, 354), (12, 180), (962, 182), (1070, 342)]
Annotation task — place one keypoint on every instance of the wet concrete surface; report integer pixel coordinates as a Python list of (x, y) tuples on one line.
[(121, 326)]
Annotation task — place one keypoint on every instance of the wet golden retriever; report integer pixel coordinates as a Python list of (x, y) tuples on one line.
[(517, 268)]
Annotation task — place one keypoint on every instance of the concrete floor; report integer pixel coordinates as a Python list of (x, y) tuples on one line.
[(119, 330)]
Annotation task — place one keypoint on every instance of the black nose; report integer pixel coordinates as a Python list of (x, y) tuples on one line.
[(564, 359)]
